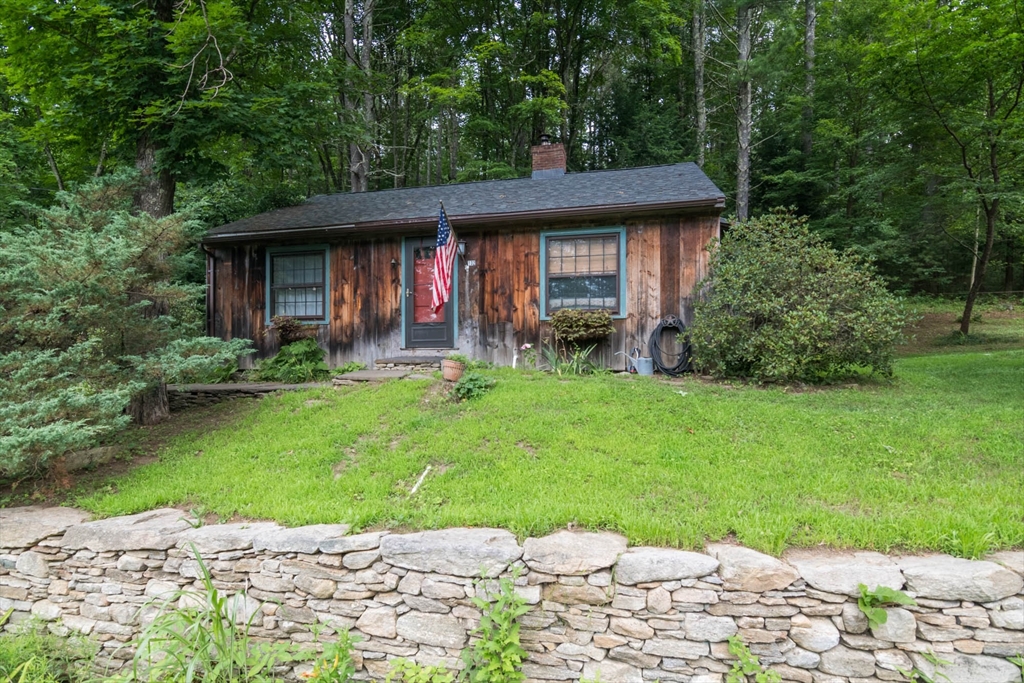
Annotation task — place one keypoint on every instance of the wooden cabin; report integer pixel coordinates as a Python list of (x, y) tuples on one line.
[(359, 266)]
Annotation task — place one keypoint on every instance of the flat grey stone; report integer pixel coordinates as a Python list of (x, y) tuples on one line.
[(842, 661), (439, 630), (303, 539), (893, 660), (899, 627), (815, 634), (970, 668), (679, 649), (218, 538), (459, 552), (1011, 559), (23, 527), (361, 560), (951, 578), (316, 587), (350, 544), (712, 629), (743, 569), (1012, 619), (46, 610), (379, 621), (608, 670), (854, 620), (570, 553), (802, 659), (841, 572), (645, 565), (32, 564), (154, 530), (79, 460), (373, 375)]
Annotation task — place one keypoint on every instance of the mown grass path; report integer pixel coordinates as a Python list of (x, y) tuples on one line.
[(934, 460)]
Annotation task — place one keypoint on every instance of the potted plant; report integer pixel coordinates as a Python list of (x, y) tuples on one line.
[(453, 366)]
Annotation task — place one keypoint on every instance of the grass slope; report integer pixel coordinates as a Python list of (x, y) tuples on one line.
[(934, 460)]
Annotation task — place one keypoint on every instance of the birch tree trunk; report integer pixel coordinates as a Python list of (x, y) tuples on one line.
[(365, 55), (810, 24), (698, 78), (744, 113)]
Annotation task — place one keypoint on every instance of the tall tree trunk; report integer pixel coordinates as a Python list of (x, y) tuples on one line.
[(699, 40), (991, 215), (744, 113), (350, 102), (53, 166), (102, 161), (155, 194), (368, 118), (810, 22), (453, 145), (1008, 273)]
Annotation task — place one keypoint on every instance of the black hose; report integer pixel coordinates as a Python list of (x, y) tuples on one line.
[(683, 363)]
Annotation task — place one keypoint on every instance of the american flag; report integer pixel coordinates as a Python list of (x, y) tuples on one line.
[(444, 261)]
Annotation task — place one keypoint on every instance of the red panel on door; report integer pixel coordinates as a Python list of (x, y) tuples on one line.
[(422, 288)]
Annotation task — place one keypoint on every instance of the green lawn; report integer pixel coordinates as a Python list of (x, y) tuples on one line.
[(934, 460)]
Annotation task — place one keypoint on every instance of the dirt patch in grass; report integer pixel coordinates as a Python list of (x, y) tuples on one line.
[(137, 445), (939, 332)]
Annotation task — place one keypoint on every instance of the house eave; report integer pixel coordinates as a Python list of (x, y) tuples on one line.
[(485, 220)]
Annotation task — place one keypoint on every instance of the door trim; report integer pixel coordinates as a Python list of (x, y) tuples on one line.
[(455, 300)]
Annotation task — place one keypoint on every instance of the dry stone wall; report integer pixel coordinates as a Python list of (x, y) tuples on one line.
[(599, 609)]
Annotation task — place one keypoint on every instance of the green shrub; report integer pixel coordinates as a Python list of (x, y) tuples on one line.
[(290, 330), (351, 366), (872, 602), (298, 362), (781, 305), (458, 358), (497, 655), (573, 327), (408, 671), (472, 385), (31, 654), (203, 636), (575, 361), (335, 665)]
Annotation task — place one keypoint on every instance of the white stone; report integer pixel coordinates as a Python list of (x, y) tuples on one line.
[(459, 552), (303, 539), (218, 538), (1012, 619), (815, 633), (570, 553), (242, 608), (46, 610), (160, 590), (350, 544), (899, 627), (743, 569), (713, 629), (316, 587), (380, 621), (646, 565), (155, 530), (32, 564), (951, 578), (23, 527), (441, 630), (130, 563), (612, 671), (802, 659), (841, 572), (893, 660), (659, 600), (964, 668), (842, 661)]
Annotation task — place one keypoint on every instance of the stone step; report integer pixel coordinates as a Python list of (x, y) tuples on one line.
[(410, 363)]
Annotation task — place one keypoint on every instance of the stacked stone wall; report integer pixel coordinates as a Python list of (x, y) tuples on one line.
[(598, 609)]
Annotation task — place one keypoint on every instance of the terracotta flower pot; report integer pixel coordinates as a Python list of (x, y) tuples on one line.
[(452, 370)]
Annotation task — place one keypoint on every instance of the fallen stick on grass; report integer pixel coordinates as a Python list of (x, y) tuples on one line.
[(419, 481)]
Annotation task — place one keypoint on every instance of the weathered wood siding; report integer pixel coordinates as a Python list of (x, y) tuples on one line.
[(499, 294)]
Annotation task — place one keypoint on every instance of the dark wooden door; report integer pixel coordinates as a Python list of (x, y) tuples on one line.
[(423, 327)]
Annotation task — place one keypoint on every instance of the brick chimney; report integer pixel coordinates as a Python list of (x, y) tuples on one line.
[(548, 159)]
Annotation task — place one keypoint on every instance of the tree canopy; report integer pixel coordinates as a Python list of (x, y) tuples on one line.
[(894, 125)]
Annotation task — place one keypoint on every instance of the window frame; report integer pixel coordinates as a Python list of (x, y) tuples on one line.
[(545, 235), (268, 280)]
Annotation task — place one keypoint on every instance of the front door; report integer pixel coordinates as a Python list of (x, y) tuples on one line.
[(423, 327)]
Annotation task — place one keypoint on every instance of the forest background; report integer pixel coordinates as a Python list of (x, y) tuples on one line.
[(895, 125)]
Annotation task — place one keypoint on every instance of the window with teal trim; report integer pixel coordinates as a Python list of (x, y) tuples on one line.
[(298, 284), (583, 272)]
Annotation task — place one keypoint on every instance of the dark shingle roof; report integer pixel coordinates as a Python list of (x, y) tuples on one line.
[(619, 191)]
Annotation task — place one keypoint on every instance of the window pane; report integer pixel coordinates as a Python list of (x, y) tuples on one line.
[(297, 284), (298, 269), (299, 302), (590, 291), (583, 272)]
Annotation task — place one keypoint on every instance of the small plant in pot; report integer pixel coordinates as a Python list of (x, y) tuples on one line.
[(453, 366)]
